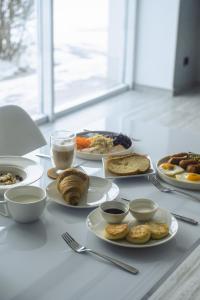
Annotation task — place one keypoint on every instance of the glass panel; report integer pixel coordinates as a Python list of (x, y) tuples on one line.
[(18, 55), (88, 48)]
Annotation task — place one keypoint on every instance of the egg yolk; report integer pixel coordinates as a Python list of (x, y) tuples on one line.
[(193, 177), (167, 166)]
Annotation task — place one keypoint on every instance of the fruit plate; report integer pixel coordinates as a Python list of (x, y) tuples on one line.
[(97, 156), (109, 175), (173, 181)]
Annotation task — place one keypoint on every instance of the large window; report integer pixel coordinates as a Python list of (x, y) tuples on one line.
[(55, 54), (18, 55)]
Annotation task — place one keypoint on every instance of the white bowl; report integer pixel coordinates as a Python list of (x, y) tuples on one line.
[(109, 211), (143, 209)]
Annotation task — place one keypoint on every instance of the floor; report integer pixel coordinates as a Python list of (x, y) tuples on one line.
[(143, 105)]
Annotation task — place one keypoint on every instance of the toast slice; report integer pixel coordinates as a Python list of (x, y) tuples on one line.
[(130, 164)]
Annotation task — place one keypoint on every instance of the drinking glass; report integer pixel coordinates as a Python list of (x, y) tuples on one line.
[(63, 149)]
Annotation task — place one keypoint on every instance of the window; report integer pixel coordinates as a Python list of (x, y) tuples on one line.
[(56, 54), (18, 55)]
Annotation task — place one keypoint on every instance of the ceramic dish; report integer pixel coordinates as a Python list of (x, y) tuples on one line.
[(96, 156), (96, 225), (100, 190), (27, 169), (109, 175), (173, 181)]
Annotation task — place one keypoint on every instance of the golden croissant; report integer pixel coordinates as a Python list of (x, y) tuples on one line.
[(72, 184)]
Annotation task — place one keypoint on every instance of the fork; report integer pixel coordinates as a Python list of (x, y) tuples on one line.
[(80, 248), (164, 189)]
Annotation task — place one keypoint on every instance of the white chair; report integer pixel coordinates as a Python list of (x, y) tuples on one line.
[(19, 134)]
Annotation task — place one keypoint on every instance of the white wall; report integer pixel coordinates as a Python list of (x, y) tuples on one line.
[(187, 45), (156, 42)]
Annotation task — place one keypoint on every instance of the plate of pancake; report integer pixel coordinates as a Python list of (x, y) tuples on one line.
[(132, 233), (181, 170)]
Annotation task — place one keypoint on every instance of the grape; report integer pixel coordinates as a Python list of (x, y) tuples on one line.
[(123, 140)]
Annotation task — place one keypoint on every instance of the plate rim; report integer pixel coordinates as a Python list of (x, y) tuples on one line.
[(98, 156), (80, 206), (113, 176), (173, 181), (115, 243)]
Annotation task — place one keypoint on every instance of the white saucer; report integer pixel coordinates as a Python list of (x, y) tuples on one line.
[(100, 190), (96, 225), (28, 169)]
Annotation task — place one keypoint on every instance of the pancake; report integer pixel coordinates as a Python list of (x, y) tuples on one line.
[(116, 231), (158, 230), (139, 234)]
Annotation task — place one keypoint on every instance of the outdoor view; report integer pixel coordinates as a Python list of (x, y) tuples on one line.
[(81, 52)]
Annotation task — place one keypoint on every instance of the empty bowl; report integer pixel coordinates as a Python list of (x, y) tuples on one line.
[(143, 209)]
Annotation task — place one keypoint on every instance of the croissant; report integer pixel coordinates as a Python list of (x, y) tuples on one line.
[(72, 184)]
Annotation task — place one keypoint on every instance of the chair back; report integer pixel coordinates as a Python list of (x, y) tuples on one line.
[(19, 134)]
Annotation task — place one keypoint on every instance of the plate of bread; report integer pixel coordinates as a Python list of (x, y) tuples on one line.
[(74, 188), (132, 233), (93, 145), (129, 165), (181, 170)]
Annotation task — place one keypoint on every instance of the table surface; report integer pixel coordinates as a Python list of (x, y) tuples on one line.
[(37, 264)]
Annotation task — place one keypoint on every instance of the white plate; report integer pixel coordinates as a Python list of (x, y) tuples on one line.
[(110, 175), (28, 169), (95, 156), (100, 190), (96, 225), (173, 181)]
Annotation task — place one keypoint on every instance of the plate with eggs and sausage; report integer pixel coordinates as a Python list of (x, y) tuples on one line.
[(181, 170)]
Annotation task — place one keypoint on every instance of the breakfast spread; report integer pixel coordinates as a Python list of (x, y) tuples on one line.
[(129, 164), (72, 184), (103, 143), (139, 234), (182, 167), (9, 178)]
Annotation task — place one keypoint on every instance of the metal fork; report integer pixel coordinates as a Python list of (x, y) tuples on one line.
[(79, 249), (164, 189)]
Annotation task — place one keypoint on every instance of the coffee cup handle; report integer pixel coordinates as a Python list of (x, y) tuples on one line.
[(4, 212)]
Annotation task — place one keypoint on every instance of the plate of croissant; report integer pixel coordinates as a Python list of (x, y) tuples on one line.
[(74, 188)]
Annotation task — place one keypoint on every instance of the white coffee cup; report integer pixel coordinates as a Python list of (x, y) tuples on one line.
[(24, 204)]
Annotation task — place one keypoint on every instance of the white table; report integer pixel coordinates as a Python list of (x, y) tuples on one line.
[(37, 264)]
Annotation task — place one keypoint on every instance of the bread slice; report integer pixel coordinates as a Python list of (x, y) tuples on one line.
[(130, 164)]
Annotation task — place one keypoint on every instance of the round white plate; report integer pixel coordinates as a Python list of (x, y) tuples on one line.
[(100, 190), (27, 168), (95, 156), (96, 225), (173, 181)]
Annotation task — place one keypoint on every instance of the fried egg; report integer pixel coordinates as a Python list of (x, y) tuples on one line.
[(170, 169), (188, 177)]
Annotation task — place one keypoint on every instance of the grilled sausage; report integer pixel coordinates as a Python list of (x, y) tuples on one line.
[(194, 168), (175, 160), (186, 162)]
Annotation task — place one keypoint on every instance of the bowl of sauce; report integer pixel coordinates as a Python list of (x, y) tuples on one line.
[(114, 211), (143, 209)]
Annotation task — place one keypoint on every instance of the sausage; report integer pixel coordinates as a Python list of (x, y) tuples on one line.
[(194, 168), (182, 154), (175, 160), (186, 162)]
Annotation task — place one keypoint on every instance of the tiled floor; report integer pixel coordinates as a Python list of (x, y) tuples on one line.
[(145, 106)]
